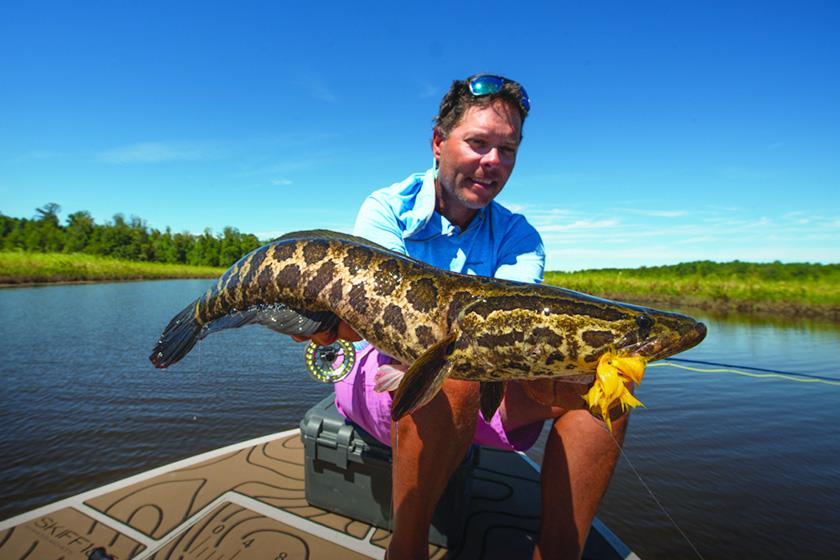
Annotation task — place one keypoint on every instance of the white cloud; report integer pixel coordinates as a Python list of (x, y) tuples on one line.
[(802, 218), (154, 152), (282, 182), (744, 173), (598, 239), (697, 239), (515, 208), (554, 213), (586, 257), (714, 209), (564, 178), (659, 213), (42, 155), (281, 168), (794, 214), (296, 139), (580, 225)]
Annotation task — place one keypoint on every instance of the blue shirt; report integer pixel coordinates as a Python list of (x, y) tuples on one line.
[(497, 242)]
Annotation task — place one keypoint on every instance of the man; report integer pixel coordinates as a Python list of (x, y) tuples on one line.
[(447, 217)]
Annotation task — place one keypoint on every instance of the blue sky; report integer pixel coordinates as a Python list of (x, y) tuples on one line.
[(660, 132)]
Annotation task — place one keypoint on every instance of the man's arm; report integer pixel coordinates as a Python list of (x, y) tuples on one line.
[(377, 222), (521, 256)]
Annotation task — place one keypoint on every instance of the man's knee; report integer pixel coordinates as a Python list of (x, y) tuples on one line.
[(462, 394)]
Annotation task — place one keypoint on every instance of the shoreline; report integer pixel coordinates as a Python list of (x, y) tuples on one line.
[(788, 309), (18, 269), (40, 283), (759, 309)]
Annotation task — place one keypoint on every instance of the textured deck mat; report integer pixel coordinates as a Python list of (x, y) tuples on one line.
[(248, 501)]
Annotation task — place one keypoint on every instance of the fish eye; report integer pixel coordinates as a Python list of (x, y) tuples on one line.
[(644, 321)]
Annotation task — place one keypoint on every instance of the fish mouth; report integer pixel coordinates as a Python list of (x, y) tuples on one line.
[(660, 347)]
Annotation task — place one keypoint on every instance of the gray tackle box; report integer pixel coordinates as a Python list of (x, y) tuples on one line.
[(348, 472)]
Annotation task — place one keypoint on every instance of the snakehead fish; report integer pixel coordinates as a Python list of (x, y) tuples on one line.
[(443, 323)]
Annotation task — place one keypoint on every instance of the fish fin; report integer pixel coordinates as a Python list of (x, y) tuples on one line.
[(178, 338), (183, 331), (286, 320), (492, 393), (277, 317), (388, 377), (423, 379)]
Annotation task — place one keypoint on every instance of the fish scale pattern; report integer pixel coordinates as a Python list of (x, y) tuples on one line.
[(499, 329)]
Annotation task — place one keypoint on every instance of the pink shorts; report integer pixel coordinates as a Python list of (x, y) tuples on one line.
[(357, 401)]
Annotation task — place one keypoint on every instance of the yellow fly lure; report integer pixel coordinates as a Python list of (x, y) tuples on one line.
[(612, 373)]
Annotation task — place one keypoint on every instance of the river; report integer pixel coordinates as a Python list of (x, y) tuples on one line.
[(717, 466)]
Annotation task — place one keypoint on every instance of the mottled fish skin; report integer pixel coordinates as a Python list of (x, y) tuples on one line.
[(501, 329)]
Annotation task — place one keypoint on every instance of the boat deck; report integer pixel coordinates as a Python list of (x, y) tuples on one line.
[(247, 501)]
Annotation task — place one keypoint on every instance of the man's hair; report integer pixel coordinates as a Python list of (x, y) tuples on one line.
[(459, 98)]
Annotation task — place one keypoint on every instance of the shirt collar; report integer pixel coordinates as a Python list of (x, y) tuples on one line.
[(421, 214)]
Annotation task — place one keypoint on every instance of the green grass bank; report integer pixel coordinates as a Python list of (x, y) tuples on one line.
[(17, 268), (789, 289)]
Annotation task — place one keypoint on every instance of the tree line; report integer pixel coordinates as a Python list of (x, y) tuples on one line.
[(130, 239), (772, 271)]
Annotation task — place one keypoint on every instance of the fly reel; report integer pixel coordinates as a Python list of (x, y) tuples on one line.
[(330, 363)]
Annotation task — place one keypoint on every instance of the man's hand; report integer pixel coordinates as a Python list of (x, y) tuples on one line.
[(549, 392), (344, 331), (556, 393)]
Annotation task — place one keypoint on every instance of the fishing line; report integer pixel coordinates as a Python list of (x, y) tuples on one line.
[(718, 368), (765, 373), (655, 499), (790, 373)]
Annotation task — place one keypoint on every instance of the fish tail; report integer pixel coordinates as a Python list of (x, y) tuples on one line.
[(178, 338)]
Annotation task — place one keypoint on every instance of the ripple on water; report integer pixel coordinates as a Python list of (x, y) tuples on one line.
[(746, 467)]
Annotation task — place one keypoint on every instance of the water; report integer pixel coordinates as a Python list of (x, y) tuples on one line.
[(745, 467)]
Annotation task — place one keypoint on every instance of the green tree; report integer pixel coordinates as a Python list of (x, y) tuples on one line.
[(10, 229), (141, 245), (115, 239), (163, 246), (249, 243), (125, 239), (230, 247), (184, 243), (44, 233), (79, 232), (205, 251)]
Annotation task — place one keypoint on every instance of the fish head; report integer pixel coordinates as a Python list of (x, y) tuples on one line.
[(654, 334), (560, 333), (596, 326)]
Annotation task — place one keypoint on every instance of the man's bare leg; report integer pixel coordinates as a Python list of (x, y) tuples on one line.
[(428, 446), (580, 457)]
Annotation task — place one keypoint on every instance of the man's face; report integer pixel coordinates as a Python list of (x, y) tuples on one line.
[(476, 160)]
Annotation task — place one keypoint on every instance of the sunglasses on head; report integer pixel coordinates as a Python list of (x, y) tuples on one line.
[(488, 84)]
